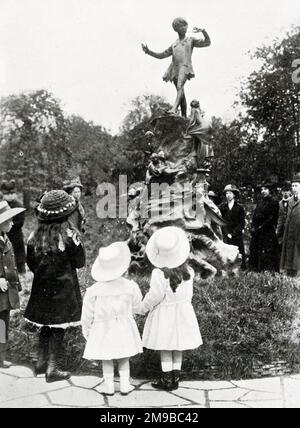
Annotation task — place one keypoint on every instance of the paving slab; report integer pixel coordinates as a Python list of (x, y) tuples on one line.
[(193, 395), (5, 381), (260, 396), (227, 405), (85, 381), (265, 385), (18, 371), (76, 397), (29, 387), (270, 404), (35, 401), (146, 398), (206, 385), (291, 388), (295, 377), (233, 394)]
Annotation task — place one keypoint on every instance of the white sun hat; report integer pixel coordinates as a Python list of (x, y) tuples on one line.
[(112, 262), (168, 247), (7, 213)]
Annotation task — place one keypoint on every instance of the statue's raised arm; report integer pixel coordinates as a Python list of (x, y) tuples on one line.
[(181, 68), (201, 43)]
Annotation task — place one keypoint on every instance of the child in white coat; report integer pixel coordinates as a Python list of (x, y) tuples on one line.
[(107, 316), (171, 326)]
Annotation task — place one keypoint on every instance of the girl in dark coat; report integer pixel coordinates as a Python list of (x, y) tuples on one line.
[(9, 281), (264, 247), (54, 252)]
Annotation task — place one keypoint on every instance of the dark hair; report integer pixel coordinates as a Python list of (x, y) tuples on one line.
[(45, 238), (177, 275)]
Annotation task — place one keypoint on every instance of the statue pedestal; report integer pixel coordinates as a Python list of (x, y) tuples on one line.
[(202, 183)]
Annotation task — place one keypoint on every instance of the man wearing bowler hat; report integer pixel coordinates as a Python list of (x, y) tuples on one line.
[(264, 247), (290, 256), (234, 215)]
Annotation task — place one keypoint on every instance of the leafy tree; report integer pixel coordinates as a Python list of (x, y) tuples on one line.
[(142, 109), (34, 139), (272, 107), (91, 148)]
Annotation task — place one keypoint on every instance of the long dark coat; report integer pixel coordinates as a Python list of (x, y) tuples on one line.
[(10, 298), (16, 235), (290, 257), (283, 212), (235, 224), (264, 247), (55, 296)]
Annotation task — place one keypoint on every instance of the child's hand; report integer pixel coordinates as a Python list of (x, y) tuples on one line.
[(145, 48), (73, 235), (3, 285)]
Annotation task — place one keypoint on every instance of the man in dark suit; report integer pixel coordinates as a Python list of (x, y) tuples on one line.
[(283, 211), (264, 248), (234, 215), (290, 256)]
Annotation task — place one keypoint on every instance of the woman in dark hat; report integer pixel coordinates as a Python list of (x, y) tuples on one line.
[(54, 252), (9, 281), (74, 188), (264, 247), (234, 215), (15, 234)]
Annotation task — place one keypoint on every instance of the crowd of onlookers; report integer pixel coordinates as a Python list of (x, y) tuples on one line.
[(274, 228), (55, 252)]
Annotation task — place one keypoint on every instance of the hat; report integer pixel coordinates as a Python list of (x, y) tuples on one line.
[(112, 262), (7, 213), (212, 194), (231, 188), (8, 186), (286, 186), (296, 178), (268, 184), (55, 205), (71, 184), (168, 247)]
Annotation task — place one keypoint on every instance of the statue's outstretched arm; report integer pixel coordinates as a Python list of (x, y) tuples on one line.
[(202, 43), (159, 55)]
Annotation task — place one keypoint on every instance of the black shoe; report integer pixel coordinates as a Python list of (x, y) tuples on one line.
[(53, 373), (165, 382)]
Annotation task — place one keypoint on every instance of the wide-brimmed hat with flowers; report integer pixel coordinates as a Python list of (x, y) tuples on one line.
[(6, 213), (232, 188), (69, 185), (112, 262), (168, 247), (55, 205)]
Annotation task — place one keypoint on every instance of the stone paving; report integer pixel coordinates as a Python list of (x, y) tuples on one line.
[(19, 388)]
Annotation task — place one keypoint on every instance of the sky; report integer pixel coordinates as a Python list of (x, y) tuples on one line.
[(88, 52)]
